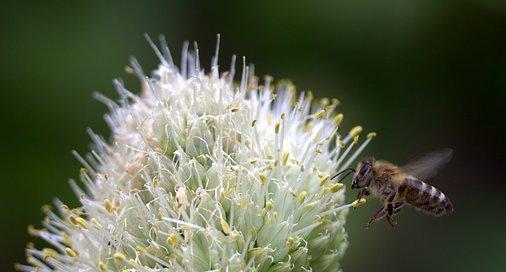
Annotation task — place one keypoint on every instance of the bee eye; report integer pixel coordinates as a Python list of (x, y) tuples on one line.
[(364, 169)]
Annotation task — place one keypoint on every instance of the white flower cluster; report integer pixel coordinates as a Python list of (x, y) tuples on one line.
[(206, 174)]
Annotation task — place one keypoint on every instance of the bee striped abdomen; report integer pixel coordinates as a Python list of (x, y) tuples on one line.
[(425, 197)]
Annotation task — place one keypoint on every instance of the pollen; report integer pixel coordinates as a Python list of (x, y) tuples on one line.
[(335, 187), (338, 119), (269, 205), (49, 253), (355, 139), (70, 252), (171, 240), (359, 202), (371, 135), (302, 196), (108, 205), (118, 256), (225, 226), (355, 131), (263, 178), (319, 114), (102, 266), (285, 157), (289, 241), (96, 223), (324, 179)]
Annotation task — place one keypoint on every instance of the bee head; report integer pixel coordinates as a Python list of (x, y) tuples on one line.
[(363, 175)]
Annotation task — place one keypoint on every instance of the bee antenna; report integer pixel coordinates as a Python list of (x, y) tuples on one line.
[(349, 170)]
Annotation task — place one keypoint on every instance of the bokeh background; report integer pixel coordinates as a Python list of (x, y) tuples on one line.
[(424, 74)]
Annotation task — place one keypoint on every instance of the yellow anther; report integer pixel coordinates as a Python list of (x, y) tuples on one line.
[(371, 135), (324, 101), (171, 240), (66, 238), (129, 70), (358, 202), (276, 127), (234, 109), (49, 253), (269, 205), (225, 226), (108, 205), (251, 231), (102, 266), (80, 221), (32, 231), (308, 127), (32, 261), (141, 249), (310, 95), (355, 139), (335, 187), (64, 207), (73, 219), (289, 241), (355, 131), (70, 252), (253, 161), (253, 123), (45, 208), (244, 202), (30, 245), (96, 223), (133, 263), (292, 192), (302, 196), (283, 116), (341, 144), (324, 179), (118, 256), (263, 178), (338, 119), (319, 114), (285, 157), (274, 216), (336, 101)]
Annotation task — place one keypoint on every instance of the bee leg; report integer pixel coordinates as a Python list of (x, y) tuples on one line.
[(398, 206), (389, 215), (362, 193), (377, 216)]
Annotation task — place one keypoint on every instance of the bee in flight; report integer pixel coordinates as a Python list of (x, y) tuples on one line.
[(398, 185)]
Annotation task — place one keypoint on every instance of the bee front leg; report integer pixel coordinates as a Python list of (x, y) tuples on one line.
[(362, 193)]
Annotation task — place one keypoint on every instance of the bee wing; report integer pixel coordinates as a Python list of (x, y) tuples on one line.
[(428, 165)]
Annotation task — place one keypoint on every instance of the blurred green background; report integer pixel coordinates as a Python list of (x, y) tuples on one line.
[(424, 74)]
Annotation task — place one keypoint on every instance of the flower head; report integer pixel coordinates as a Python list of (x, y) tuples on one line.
[(203, 173)]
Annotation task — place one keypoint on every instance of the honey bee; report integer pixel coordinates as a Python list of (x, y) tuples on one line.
[(398, 185)]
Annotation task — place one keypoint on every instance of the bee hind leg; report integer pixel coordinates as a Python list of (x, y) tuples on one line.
[(376, 217), (391, 209)]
